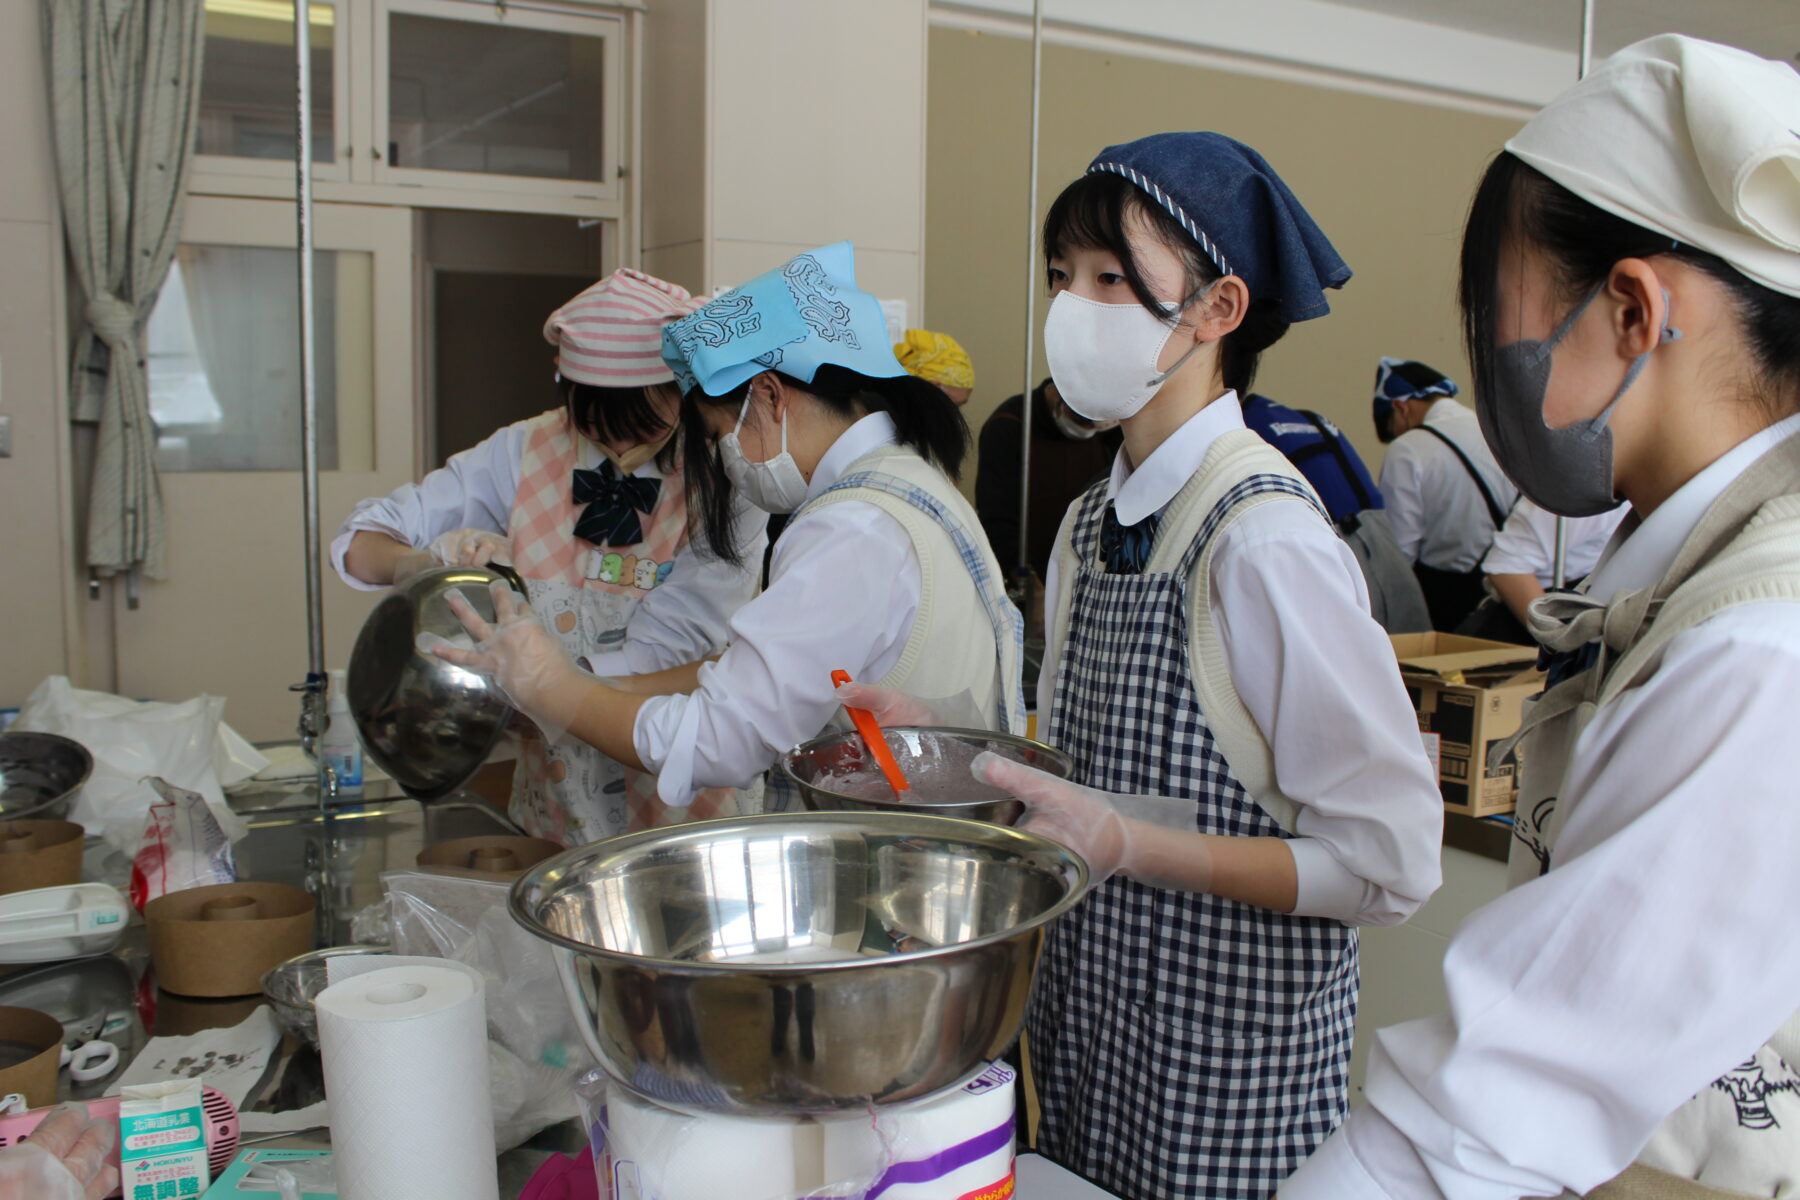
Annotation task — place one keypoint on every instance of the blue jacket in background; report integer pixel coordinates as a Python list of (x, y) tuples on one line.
[(1321, 452)]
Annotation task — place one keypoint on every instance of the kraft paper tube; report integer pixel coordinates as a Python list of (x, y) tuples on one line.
[(673, 1156), (494, 859), (941, 1149), (406, 1073), (231, 908), (17, 843)]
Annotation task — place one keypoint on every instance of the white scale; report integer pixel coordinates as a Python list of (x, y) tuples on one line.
[(50, 924)]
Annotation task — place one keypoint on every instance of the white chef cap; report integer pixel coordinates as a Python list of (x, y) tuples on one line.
[(1687, 138)]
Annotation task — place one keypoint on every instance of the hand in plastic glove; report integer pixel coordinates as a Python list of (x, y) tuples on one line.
[(1151, 839), (892, 707), (521, 656), (470, 548), (64, 1158), (1086, 821)]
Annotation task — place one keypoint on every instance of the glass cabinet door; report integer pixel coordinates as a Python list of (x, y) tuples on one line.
[(246, 122), (498, 98)]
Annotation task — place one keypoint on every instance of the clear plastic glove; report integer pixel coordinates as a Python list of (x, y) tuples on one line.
[(1151, 839), (470, 548), (519, 655), (64, 1158), (892, 707)]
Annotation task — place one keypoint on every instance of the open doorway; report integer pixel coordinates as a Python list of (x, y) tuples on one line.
[(490, 280)]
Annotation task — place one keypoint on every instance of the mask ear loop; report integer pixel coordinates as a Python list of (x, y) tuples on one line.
[(1159, 380), (1596, 424)]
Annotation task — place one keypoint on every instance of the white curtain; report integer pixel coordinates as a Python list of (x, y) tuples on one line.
[(124, 95)]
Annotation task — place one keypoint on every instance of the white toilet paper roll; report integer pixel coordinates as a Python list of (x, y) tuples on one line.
[(657, 1154), (944, 1149), (406, 1073)]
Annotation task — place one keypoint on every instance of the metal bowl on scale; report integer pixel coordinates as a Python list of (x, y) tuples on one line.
[(428, 723), (800, 962), (837, 772), (40, 774)]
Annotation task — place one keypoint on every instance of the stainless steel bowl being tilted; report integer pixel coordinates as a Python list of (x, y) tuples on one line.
[(428, 723), (837, 772), (800, 962), (40, 774)]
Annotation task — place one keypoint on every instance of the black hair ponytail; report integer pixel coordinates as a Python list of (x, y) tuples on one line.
[(925, 419)]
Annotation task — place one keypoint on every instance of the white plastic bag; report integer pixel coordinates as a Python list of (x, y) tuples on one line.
[(187, 744), (182, 847)]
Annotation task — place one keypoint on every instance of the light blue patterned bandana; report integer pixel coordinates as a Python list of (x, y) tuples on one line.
[(795, 319)]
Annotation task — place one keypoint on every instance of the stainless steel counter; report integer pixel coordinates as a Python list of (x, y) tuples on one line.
[(339, 860)]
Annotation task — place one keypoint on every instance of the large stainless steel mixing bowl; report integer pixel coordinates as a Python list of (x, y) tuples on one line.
[(800, 962), (40, 774), (428, 723), (836, 772)]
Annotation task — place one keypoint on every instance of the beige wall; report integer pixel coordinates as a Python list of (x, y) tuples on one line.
[(37, 581), (774, 126), (1388, 181)]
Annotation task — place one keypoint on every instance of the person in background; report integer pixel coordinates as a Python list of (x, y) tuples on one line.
[(1331, 464), (1446, 497), (588, 503), (1068, 452), (1521, 566), (1321, 451), (938, 358), (1624, 1023), (792, 399)]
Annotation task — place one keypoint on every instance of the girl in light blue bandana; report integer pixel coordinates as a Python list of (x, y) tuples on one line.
[(793, 399)]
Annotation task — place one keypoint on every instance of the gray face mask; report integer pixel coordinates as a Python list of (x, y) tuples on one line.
[(1568, 471)]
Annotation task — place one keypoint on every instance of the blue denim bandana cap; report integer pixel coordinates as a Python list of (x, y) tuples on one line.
[(1240, 212), (1391, 385), (803, 315)]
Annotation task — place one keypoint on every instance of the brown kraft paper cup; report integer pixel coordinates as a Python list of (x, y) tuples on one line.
[(497, 858), (39, 854), (198, 953), (36, 1076)]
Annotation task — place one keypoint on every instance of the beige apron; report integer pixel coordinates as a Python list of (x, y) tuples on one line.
[(1745, 549), (571, 793)]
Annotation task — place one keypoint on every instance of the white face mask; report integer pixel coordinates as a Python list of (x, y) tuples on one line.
[(775, 486), (1074, 428), (1103, 356)]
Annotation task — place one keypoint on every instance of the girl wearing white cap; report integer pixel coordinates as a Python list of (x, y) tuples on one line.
[(795, 402), (588, 503), (1622, 1023)]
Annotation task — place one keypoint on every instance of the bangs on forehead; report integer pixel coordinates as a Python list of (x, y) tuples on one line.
[(1089, 215)]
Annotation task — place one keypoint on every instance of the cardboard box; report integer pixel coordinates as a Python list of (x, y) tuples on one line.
[(1470, 694)]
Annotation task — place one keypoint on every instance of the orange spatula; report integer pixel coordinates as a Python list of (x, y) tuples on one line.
[(870, 728)]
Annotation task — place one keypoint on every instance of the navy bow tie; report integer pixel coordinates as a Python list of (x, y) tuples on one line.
[(615, 505), (1126, 548)]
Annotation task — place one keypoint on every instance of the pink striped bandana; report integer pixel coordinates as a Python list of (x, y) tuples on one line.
[(611, 334)]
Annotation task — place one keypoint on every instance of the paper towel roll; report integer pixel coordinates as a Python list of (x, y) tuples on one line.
[(668, 1155), (943, 1149), (406, 1073)]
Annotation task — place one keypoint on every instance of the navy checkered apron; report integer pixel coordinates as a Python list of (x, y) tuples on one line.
[(1184, 1045)]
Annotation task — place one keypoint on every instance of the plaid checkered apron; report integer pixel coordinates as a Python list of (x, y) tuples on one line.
[(585, 595), (1184, 1045), (1009, 625)]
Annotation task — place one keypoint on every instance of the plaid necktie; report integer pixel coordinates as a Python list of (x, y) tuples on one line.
[(615, 505), (1126, 547)]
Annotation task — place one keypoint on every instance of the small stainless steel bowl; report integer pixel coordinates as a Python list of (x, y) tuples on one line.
[(40, 774), (800, 962), (291, 987), (428, 723), (837, 772)]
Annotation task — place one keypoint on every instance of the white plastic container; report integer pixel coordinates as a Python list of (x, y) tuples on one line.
[(342, 748)]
